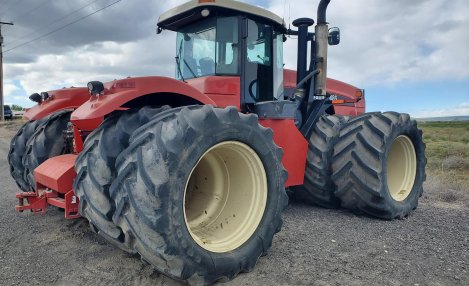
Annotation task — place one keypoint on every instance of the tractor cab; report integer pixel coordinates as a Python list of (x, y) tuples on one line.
[(229, 38)]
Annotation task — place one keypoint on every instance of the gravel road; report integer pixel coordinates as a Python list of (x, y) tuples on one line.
[(315, 247)]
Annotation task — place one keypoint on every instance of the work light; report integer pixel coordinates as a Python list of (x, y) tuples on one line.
[(95, 87), (36, 97)]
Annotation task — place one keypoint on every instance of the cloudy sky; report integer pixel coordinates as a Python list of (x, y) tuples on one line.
[(410, 55)]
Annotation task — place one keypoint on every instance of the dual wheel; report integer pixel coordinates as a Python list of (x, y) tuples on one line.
[(35, 142), (196, 191), (373, 163)]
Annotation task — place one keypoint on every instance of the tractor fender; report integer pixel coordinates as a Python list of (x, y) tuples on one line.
[(118, 93), (67, 98)]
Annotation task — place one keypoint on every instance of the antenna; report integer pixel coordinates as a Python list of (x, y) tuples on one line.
[(284, 9)]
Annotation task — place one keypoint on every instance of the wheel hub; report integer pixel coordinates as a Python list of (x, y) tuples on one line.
[(401, 168), (225, 196)]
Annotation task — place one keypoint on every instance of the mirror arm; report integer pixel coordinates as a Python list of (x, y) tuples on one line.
[(291, 32)]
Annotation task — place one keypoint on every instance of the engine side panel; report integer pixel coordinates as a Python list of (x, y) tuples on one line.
[(294, 146)]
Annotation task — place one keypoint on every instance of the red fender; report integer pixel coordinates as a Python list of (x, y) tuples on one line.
[(89, 115), (67, 98)]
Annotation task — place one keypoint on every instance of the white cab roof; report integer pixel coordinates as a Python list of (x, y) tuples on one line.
[(223, 4)]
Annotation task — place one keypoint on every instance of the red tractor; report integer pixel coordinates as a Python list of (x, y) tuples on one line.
[(191, 173)]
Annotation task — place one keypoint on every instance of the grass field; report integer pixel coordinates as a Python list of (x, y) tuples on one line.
[(448, 152)]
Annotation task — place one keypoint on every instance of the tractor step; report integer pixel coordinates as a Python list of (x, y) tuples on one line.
[(54, 180)]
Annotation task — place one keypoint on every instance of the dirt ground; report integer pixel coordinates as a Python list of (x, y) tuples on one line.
[(315, 247)]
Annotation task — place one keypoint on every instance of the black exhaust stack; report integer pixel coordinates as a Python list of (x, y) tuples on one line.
[(315, 103), (301, 68), (322, 11)]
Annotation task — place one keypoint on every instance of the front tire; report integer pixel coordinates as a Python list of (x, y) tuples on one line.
[(17, 151), (96, 170), (379, 164), (200, 191)]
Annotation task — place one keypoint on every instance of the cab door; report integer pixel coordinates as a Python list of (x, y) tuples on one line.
[(257, 66)]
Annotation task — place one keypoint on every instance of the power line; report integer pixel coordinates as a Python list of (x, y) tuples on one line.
[(62, 27), (53, 22)]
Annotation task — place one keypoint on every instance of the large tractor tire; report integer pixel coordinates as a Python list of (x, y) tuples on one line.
[(379, 165), (200, 192), (47, 141), (318, 187), (95, 168), (16, 153)]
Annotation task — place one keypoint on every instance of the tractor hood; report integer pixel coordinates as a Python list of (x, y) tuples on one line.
[(338, 90), (334, 87)]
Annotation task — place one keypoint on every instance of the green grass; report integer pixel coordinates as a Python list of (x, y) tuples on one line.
[(448, 152)]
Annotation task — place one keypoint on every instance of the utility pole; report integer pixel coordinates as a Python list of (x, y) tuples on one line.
[(2, 115)]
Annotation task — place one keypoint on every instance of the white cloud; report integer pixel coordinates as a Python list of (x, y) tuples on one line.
[(459, 110), (392, 41), (383, 42), (9, 88), (104, 47), (105, 61)]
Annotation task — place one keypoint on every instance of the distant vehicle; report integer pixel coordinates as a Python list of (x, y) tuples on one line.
[(18, 113), (7, 112)]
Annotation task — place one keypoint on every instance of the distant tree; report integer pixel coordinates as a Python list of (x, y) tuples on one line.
[(17, 107)]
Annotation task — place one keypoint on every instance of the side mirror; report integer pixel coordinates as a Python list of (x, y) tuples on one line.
[(334, 36)]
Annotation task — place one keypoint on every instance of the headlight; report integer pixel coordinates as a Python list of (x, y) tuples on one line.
[(95, 87)]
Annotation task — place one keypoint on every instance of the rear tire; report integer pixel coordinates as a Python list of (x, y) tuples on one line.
[(379, 164), (48, 141), (96, 170), (16, 153), (318, 187), (173, 199)]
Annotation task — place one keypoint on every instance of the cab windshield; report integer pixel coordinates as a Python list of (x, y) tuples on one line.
[(209, 47)]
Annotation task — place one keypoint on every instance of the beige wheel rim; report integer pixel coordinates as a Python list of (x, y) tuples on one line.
[(401, 168), (225, 197)]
